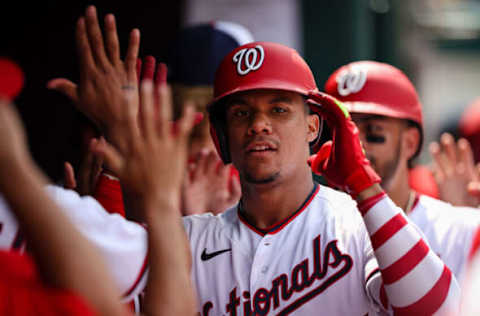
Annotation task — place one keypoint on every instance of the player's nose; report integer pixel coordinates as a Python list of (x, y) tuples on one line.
[(259, 123)]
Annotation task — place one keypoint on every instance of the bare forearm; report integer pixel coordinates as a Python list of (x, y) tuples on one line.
[(169, 265), (65, 258)]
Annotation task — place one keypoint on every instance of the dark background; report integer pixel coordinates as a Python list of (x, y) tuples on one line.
[(40, 38)]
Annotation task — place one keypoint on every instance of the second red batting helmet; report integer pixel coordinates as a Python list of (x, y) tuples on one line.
[(257, 65), (371, 87)]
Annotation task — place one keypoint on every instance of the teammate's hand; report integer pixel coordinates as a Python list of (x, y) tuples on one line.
[(151, 166), (209, 186), (105, 80), (85, 181), (342, 161), (455, 172)]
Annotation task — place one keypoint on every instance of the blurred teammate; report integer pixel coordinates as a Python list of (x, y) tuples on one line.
[(388, 113)]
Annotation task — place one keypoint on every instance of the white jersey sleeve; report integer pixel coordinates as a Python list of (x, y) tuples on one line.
[(122, 243)]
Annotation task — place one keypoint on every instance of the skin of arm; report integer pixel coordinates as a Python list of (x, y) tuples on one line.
[(65, 258)]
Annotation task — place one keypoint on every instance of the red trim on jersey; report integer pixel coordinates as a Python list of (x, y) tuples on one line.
[(139, 277), (406, 263), (475, 245), (275, 228), (415, 202), (431, 301), (388, 229), (383, 297), (367, 204)]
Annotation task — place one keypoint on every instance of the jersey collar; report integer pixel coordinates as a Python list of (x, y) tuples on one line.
[(275, 228)]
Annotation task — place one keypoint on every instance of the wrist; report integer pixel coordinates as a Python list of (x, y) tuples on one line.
[(373, 190)]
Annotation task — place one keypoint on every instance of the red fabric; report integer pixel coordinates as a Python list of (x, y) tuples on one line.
[(11, 78), (367, 204), (109, 194), (389, 229), (475, 245), (23, 293), (422, 181), (405, 264), (346, 167), (431, 301)]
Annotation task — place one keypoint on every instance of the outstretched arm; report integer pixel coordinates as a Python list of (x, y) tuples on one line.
[(65, 258), (151, 168), (415, 280)]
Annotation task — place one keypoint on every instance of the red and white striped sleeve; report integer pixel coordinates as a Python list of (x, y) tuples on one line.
[(415, 280)]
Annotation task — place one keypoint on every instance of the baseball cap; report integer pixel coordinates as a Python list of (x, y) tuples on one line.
[(199, 49)]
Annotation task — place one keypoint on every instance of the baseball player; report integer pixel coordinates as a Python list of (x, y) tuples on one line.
[(290, 246), (386, 108)]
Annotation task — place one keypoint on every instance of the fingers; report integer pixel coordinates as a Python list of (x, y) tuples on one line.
[(138, 68), (330, 108), (132, 55), (449, 148), (197, 168), (64, 86), (235, 189), (111, 156), (161, 74), (318, 162), (95, 37), (84, 51), (148, 69), (465, 155), (186, 123), (211, 164), (147, 118), (474, 189), (164, 109), (111, 39), (438, 168), (69, 181)]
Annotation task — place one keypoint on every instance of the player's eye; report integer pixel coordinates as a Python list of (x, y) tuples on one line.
[(376, 139), (278, 109), (240, 113)]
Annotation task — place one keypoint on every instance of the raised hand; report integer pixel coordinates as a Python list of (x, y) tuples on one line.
[(342, 161), (151, 165), (455, 172), (84, 182), (106, 81), (209, 186)]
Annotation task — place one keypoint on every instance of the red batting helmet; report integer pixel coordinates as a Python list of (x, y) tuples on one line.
[(469, 127), (376, 88), (257, 65)]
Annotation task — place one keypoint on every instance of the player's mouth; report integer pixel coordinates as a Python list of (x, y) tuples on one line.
[(260, 148)]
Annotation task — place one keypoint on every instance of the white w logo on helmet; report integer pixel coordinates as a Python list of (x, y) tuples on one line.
[(249, 59), (351, 80)]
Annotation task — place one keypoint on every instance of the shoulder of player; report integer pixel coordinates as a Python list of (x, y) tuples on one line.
[(208, 222), (334, 201), (437, 210)]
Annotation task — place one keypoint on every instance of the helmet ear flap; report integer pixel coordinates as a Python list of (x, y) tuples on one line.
[(218, 132)]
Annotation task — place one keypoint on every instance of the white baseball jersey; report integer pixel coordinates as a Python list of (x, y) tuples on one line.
[(448, 229), (319, 261), (123, 244)]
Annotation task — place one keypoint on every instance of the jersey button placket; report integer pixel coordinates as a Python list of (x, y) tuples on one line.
[(260, 261)]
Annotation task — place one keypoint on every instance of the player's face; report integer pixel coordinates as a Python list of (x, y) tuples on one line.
[(268, 133), (382, 140)]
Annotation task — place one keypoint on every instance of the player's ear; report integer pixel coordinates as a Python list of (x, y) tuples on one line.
[(410, 141), (313, 124)]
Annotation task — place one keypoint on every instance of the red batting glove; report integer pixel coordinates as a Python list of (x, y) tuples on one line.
[(341, 161)]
